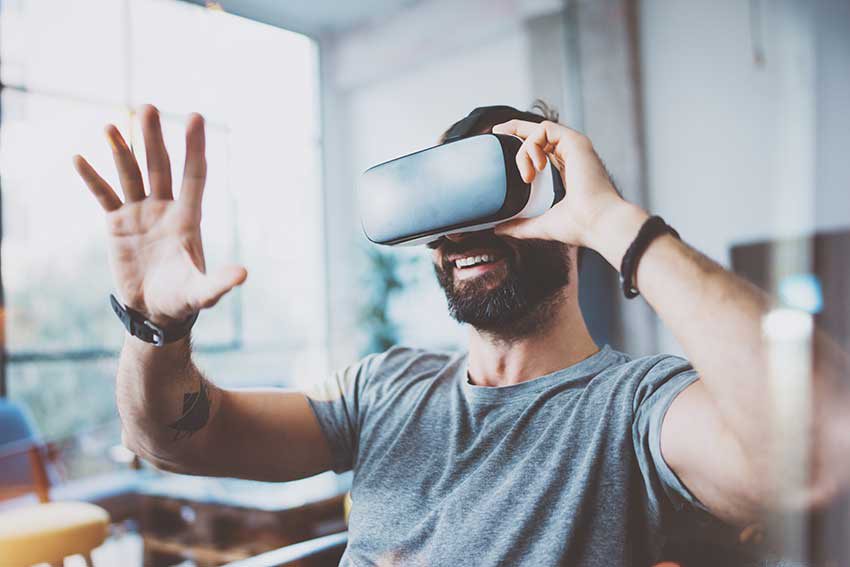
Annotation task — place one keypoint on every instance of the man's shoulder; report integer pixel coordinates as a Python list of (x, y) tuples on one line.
[(395, 370), (646, 365), (407, 351), (406, 360), (645, 375)]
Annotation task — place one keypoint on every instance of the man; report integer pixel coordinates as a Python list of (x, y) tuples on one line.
[(533, 447)]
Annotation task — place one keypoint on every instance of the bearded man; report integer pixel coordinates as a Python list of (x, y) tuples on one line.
[(532, 446)]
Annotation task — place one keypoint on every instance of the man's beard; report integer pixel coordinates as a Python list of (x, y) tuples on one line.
[(508, 305)]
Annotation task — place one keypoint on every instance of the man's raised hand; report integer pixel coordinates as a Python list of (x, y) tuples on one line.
[(590, 194), (154, 239)]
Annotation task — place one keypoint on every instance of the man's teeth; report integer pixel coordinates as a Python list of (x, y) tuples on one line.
[(474, 260)]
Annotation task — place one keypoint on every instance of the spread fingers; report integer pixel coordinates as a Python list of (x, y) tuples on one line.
[(128, 167)]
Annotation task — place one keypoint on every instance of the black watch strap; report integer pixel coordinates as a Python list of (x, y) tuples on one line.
[(138, 326), (651, 229)]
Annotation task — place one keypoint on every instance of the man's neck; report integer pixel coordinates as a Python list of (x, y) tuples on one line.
[(562, 342)]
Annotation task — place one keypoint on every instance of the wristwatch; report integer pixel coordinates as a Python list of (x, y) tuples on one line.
[(147, 331)]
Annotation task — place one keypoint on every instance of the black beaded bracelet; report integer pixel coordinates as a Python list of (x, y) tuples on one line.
[(651, 229)]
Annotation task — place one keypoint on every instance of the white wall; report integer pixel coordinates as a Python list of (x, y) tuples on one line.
[(833, 110), (730, 142)]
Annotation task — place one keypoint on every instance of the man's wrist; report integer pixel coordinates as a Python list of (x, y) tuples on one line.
[(136, 302), (139, 325), (170, 349), (614, 230)]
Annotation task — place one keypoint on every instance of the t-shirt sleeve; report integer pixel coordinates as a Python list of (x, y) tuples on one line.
[(338, 404), (663, 379)]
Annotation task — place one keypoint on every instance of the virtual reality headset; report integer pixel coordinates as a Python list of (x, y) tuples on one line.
[(464, 185)]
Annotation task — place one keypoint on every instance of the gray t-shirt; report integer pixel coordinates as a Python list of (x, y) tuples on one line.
[(564, 469)]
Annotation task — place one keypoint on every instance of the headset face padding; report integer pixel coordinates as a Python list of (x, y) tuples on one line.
[(469, 184)]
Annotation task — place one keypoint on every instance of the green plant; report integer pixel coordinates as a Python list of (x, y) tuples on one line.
[(383, 280)]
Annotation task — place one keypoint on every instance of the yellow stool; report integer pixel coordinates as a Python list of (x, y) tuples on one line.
[(346, 506), (48, 533)]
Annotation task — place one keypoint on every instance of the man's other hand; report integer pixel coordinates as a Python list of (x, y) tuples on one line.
[(154, 239)]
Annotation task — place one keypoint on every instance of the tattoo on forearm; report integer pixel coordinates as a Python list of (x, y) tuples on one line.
[(196, 412)]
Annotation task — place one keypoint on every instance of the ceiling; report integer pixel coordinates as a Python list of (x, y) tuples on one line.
[(311, 17)]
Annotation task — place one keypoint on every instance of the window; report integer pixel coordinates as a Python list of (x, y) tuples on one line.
[(71, 67)]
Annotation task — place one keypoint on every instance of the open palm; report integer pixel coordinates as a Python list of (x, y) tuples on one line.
[(154, 239)]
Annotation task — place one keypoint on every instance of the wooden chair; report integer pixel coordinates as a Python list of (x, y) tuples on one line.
[(46, 532), (325, 550)]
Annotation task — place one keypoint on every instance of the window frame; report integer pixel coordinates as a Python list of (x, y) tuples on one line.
[(89, 354), (82, 354)]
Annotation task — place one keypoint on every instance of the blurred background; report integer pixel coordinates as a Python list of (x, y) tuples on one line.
[(729, 118)]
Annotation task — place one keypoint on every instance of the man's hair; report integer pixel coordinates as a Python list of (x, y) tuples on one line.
[(482, 119)]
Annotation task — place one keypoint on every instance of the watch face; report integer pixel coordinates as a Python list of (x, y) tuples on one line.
[(463, 183)]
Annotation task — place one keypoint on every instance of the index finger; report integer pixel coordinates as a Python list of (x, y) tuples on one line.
[(516, 127), (547, 134), (128, 167)]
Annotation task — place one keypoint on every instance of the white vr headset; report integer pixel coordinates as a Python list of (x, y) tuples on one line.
[(466, 184)]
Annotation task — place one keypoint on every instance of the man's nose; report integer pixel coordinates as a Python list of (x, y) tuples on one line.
[(457, 236)]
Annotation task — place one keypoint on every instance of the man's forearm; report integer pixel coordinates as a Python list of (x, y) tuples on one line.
[(165, 403), (717, 318)]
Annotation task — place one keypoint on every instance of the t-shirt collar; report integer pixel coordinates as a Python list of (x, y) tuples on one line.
[(590, 366)]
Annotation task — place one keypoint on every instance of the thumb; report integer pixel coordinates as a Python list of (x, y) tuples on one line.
[(518, 228), (207, 289)]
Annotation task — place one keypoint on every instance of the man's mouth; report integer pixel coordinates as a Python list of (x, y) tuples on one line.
[(476, 262)]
